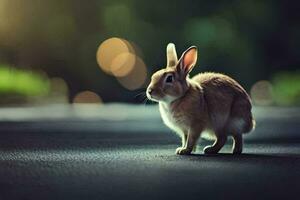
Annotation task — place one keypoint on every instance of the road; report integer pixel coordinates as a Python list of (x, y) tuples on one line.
[(97, 156)]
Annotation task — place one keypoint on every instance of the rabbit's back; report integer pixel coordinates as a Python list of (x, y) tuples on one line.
[(228, 104)]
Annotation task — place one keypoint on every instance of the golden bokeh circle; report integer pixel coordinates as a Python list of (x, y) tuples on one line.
[(87, 97), (108, 50), (123, 64), (121, 58), (136, 78)]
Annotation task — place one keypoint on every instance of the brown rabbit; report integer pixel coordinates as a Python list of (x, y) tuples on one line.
[(210, 103)]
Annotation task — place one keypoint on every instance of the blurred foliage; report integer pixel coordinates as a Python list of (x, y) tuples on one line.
[(21, 83), (286, 88), (249, 40)]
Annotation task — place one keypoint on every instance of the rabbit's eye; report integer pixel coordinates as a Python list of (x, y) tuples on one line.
[(169, 79)]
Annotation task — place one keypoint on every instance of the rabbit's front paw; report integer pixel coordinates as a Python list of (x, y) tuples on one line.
[(183, 151)]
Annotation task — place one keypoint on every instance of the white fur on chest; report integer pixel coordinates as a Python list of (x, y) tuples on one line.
[(181, 124), (176, 124)]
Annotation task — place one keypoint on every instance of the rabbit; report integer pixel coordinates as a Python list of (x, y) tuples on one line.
[(209, 104)]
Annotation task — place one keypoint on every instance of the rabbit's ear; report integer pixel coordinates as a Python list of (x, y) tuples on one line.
[(171, 55), (187, 61)]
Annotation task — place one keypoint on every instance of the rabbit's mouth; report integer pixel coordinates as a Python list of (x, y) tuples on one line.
[(159, 96), (154, 95)]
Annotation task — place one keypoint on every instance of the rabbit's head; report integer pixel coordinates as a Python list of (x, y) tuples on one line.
[(171, 83)]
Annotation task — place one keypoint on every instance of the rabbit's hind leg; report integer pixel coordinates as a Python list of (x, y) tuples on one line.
[(237, 147), (216, 147)]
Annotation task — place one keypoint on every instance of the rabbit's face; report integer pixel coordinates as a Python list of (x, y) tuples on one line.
[(171, 83), (166, 86)]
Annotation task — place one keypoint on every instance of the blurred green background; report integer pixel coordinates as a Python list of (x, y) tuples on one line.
[(48, 48)]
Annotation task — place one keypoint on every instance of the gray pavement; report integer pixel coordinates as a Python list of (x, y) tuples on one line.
[(124, 152)]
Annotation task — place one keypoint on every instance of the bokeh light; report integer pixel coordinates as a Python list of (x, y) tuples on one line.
[(23, 82), (59, 86), (59, 90), (137, 77), (109, 50), (286, 88), (87, 97), (261, 93), (121, 58), (122, 64)]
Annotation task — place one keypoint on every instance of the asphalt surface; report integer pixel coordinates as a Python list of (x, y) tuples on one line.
[(131, 156)]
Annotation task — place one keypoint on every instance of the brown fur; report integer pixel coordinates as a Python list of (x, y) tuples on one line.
[(208, 101)]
